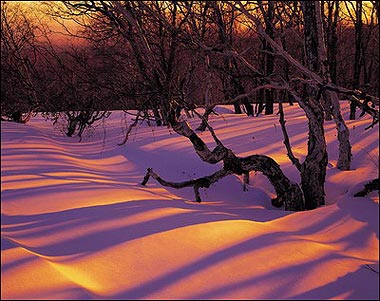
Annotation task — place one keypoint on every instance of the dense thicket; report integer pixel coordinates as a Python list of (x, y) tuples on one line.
[(130, 74)]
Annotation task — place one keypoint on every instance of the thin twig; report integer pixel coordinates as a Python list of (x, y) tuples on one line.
[(130, 129), (371, 269)]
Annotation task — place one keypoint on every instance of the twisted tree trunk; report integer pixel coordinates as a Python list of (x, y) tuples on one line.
[(313, 169), (289, 193)]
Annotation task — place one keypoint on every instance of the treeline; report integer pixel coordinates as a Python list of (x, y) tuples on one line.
[(156, 54)]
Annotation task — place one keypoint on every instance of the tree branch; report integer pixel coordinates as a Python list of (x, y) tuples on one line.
[(131, 126), (291, 156), (204, 182), (182, 128)]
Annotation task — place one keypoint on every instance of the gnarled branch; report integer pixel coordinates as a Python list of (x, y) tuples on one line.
[(204, 182), (289, 193)]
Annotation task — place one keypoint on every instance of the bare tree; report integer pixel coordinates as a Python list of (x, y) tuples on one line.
[(313, 172), (363, 16), (322, 98), (20, 78), (128, 16), (155, 51), (268, 13), (232, 84), (289, 194), (78, 95), (358, 61), (330, 21), (158, 35)]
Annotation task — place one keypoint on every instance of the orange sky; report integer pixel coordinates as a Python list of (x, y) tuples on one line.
[(59, 34)]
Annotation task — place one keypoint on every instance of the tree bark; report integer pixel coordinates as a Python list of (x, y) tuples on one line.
[(316, 71), (237, 107), (358, 53), (289, 194), (332, 37), (269, 57), (313, 169), (207, 96), (345, 154), (317, 54), (202, 127), (248, 106)]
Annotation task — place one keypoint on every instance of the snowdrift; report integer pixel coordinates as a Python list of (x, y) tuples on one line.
[(76, 223)]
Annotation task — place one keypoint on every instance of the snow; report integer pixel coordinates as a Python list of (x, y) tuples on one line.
[(76, 223)]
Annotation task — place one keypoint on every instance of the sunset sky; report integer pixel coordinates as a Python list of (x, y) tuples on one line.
[(61, 37), (39, 10)]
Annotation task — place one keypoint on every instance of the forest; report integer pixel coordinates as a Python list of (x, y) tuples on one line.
[(264, 112)]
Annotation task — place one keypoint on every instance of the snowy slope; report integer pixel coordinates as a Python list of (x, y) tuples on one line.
[(76, 223)]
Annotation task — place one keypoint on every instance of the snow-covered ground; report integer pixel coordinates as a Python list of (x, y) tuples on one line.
[(76, 223)]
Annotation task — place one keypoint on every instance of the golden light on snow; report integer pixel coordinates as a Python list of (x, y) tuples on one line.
[(76, 224)]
